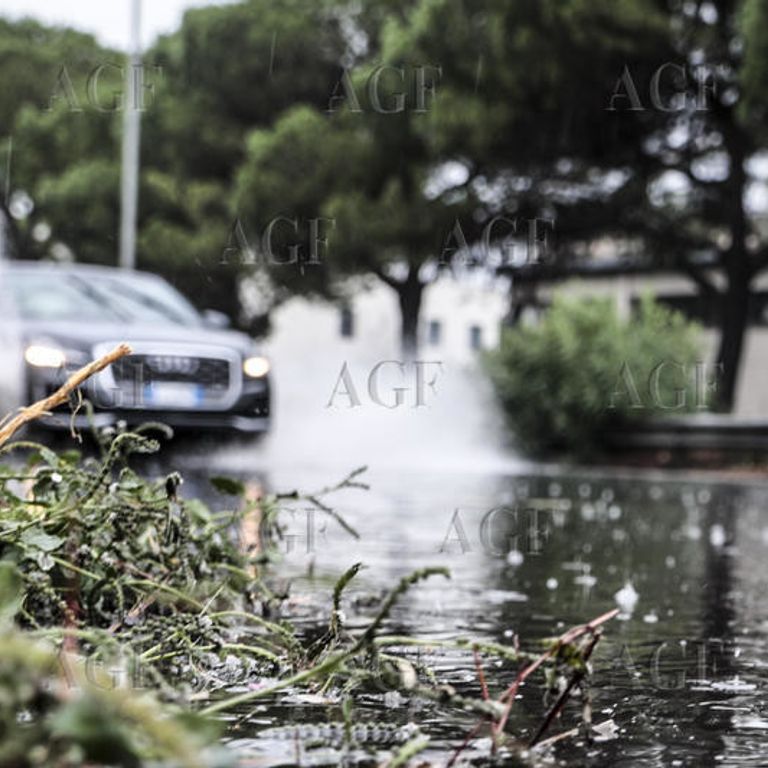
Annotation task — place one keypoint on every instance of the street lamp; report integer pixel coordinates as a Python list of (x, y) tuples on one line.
[(129, 193)]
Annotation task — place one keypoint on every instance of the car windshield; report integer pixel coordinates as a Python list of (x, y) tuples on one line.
[(72, 297), (146, 299)]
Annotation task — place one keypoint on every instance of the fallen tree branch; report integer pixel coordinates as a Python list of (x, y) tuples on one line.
[(61, 395)]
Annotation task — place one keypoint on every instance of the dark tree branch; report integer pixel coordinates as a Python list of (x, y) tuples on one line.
[(390, 281), (698, 276)]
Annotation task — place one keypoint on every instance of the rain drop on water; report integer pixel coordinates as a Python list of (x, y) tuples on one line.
[(626, 598), (717, 535)]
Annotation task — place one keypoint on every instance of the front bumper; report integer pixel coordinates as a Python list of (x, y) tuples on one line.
[(212, 422), (249, 413)]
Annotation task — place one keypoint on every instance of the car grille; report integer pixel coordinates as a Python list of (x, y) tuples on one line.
[(162, 378), (211, 373)]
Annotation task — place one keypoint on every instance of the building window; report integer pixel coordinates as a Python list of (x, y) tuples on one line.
[(347, 325), (475, 337), (434, 332)]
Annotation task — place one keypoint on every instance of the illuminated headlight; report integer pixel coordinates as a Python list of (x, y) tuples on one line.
[(256, 367), (41, 356)]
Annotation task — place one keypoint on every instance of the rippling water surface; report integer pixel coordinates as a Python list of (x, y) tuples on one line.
[(682, 674)]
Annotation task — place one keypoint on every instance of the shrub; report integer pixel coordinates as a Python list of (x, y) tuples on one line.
[(582, 370)]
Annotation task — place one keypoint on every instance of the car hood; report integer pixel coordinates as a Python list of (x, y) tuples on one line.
[(83, 336)]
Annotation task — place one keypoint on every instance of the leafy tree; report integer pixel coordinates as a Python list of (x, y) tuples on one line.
[(509, 130), (373, 213), (618, 120), (227, 71), (702, 144), (41, 63), (363, 167), (54, 114)]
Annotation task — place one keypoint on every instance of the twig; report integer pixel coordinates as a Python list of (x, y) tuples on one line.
[(486, 696), (348, 482), (568, 637), (464, 744), (61, 395), (557, 708), (480, 675)]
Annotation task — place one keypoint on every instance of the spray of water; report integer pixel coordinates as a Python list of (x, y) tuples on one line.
[(334, 414)]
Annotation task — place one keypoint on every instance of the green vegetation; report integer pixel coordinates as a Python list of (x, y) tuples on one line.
[(582, 370), (56, 709)]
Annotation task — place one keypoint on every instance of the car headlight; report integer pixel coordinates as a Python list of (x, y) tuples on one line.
[(45, 353), (256, 367), (42, 356)]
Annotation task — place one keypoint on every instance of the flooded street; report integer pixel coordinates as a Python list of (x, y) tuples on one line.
[(532, 551)]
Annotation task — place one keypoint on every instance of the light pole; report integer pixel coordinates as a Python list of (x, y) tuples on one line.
[(129, 193)]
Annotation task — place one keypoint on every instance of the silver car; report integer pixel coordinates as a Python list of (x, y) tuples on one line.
[(187, 369)]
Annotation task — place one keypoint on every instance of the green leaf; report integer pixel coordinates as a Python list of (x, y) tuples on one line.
[(41, 540), (10, 592), (228, 485), (70, 457), (43, 454)]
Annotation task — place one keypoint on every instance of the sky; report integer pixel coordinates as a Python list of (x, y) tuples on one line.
[(109, 20)]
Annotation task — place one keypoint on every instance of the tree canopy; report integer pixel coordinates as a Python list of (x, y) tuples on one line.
[(306, 141)]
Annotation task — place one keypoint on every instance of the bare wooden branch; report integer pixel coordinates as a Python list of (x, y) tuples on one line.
[(61, 395)]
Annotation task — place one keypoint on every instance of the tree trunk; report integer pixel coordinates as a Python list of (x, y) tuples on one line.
[(735, 317), (409, 294), (10, 236), (735, 299)]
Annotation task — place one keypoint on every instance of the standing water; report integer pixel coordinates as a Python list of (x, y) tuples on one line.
[(679, 677)]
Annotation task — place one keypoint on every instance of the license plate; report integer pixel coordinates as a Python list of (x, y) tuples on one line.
[(171, 395)]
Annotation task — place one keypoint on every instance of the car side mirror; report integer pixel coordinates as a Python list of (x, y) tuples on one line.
[(215, 319)]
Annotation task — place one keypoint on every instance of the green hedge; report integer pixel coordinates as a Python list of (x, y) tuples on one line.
[(582, 370)]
